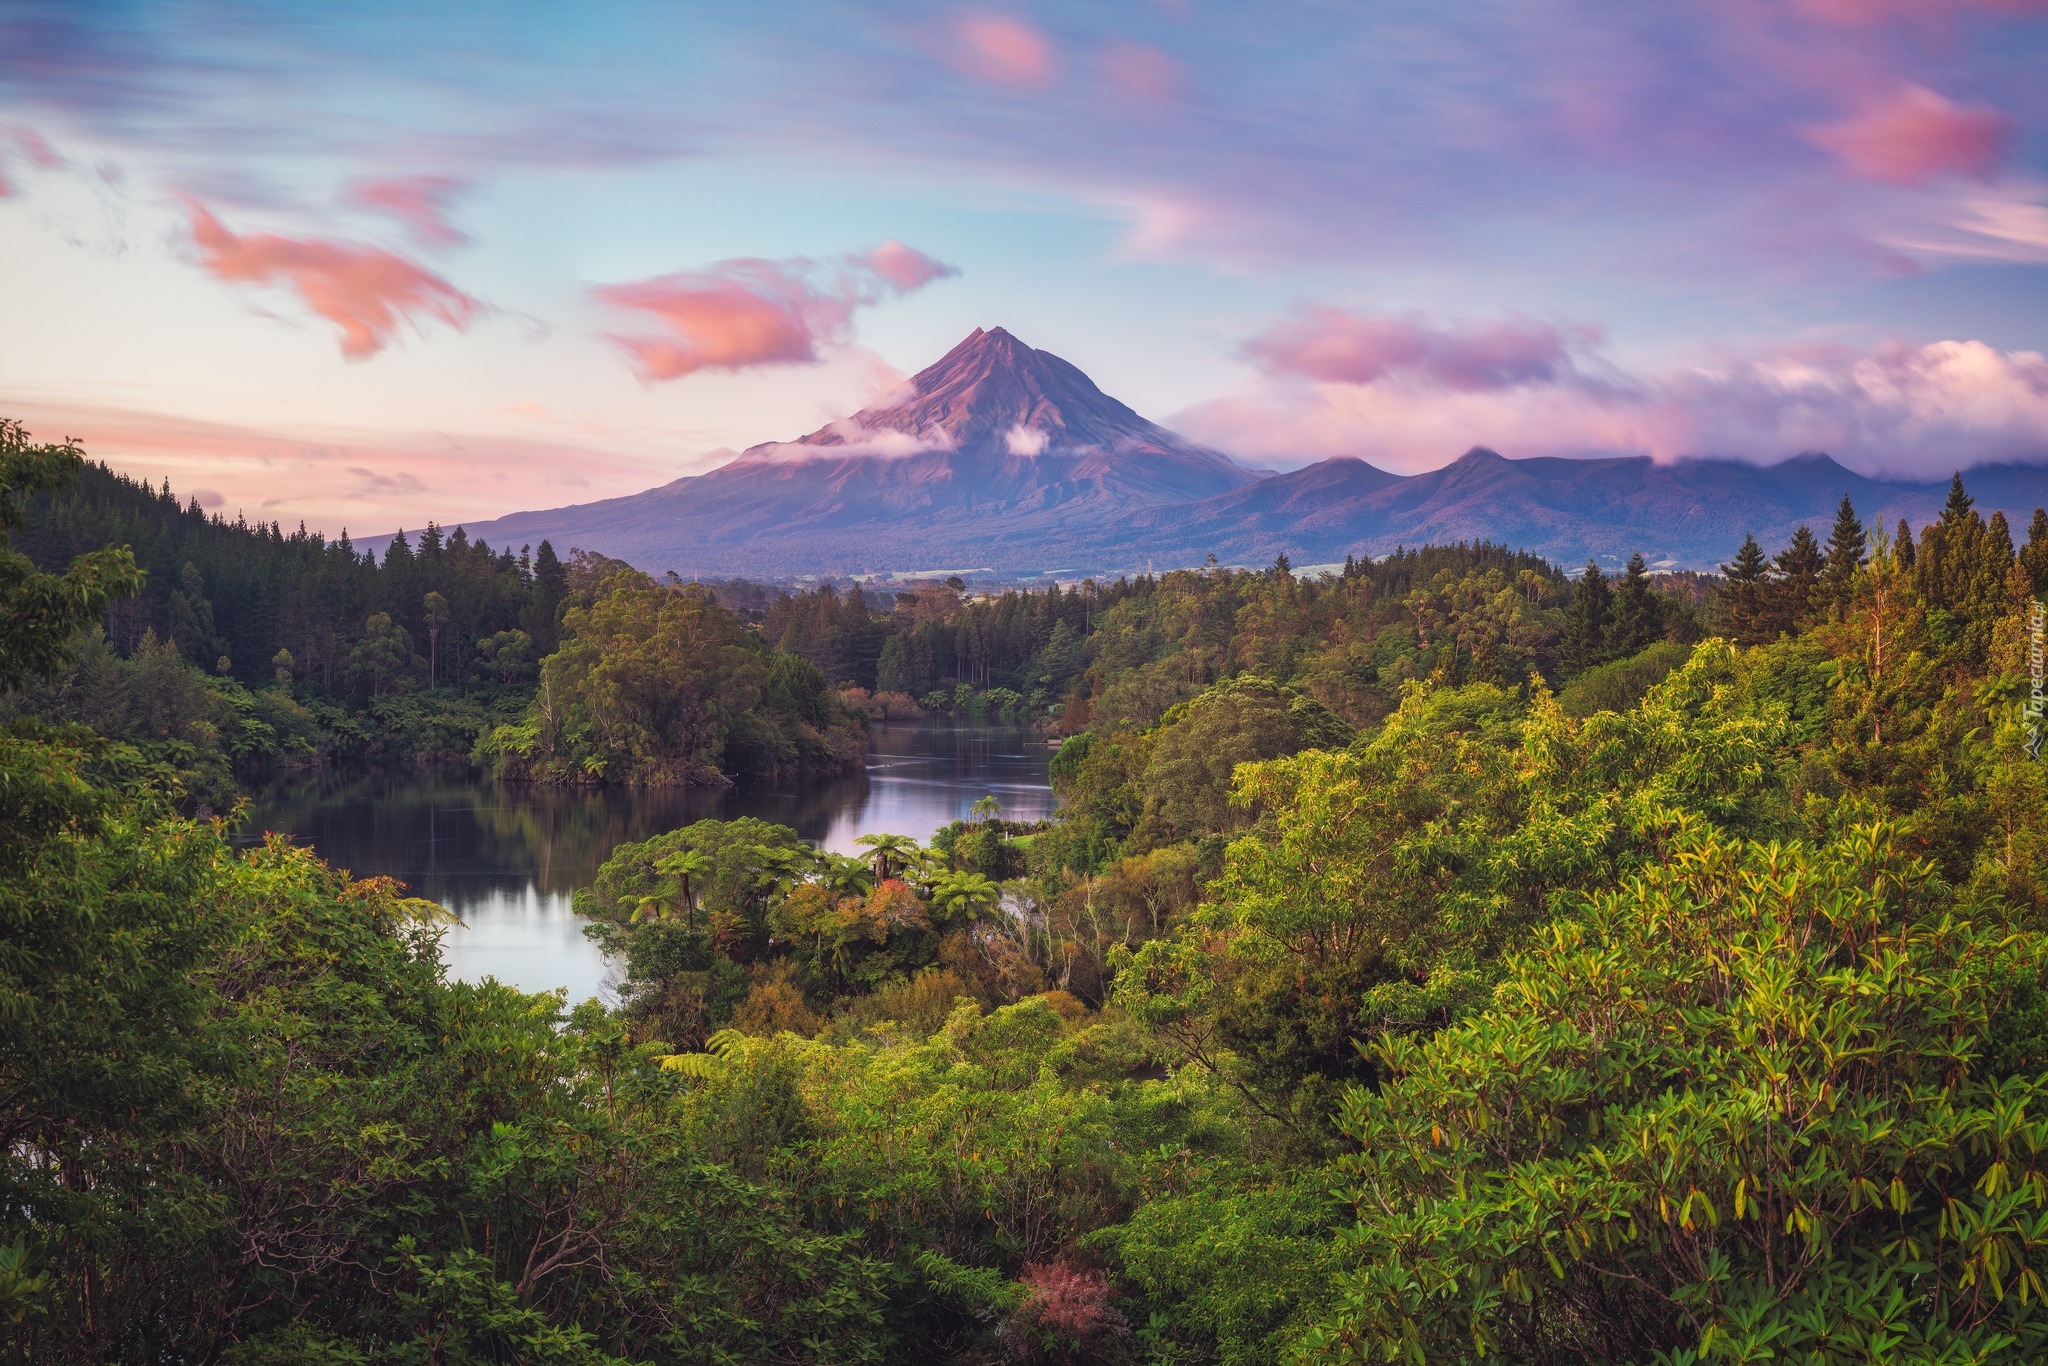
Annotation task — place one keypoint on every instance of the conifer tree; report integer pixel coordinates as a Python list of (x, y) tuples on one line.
[(1743, 594), (1799, 568), (1847, 546), (1902, 545), (1982, 582), (1586, 621), (2035, 556), (2034, 553), (1994, 557), (39, 612), (1959, 503), (1638, 615), (550, 586)]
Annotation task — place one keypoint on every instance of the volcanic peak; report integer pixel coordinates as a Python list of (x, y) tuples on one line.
[(994, 394)]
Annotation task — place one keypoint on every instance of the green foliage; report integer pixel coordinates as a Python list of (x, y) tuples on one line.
[(1199, 744), (660, 685), (40, 611), (1589, 621), (1363, 1001), (1621, 684), (1759, 1088)]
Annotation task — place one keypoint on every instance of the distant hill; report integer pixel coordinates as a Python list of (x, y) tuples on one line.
[(1007, 458)]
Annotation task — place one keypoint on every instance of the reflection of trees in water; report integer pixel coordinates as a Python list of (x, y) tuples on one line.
[(426, 826)]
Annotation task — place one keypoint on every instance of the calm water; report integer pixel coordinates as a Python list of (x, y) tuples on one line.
[(506, 858)]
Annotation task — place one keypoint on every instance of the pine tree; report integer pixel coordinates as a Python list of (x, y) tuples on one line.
[(1586, 620), (1983, 605), (2035, 555), (1791, 595), (1902, 545), (1995, 555), (1847, 546), (1743, 594), (1959, 503), (550, 586), (1638, 613)]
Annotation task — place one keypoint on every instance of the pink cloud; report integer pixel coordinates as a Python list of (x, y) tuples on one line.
[(363, 291), (1002, 50), (1916, 136), (1918, 410), (1142, 73), (744, 313), (32, 145), (420, 202), (360, 478), (906, 268), (1336, 346)]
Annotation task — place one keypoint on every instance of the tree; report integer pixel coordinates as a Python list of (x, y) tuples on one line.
[(1847, 547), (1185, 788), (986, 809), (1587, 621), (1793, 588), (2034, 555), (381, 658), (435, 610), (1957, 509), (1632, 1112), (39, 612), (191, 616), (891, 853), (505, 658), (649, 685), (1638, 620), (550, 590), (964, 896), (680, 868), (1902, 545), (1742, 596)]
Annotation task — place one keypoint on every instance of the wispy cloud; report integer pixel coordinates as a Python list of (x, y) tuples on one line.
[(365, 291), (419, 202), (1335, 345), (744, 313), (1915, 136), (1002, 50), (1296, 132)]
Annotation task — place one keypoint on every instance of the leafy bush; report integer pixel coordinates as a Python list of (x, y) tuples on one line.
[(1760, 1102)]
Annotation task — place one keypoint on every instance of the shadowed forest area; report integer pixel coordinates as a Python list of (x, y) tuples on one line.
[(1448, 959)]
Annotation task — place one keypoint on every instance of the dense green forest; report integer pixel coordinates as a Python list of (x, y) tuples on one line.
[(1448, 960)]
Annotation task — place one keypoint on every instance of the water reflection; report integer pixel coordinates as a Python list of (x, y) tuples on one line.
[(506, 858)]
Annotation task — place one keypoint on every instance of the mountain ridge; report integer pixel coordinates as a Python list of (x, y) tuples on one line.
[(1009, 458)]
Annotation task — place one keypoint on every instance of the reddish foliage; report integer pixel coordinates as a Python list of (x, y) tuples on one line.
[(1068, 1306)]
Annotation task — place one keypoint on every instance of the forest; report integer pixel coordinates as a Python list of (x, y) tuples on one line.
[(1452, 959)]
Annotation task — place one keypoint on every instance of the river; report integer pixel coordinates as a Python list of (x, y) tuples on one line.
[(506, 858)]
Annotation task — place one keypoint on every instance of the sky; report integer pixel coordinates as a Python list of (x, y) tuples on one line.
[(366, 265)]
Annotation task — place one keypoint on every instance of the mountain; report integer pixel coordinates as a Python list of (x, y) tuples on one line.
[(1010, 459), (997, 455), (1689, 513)]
